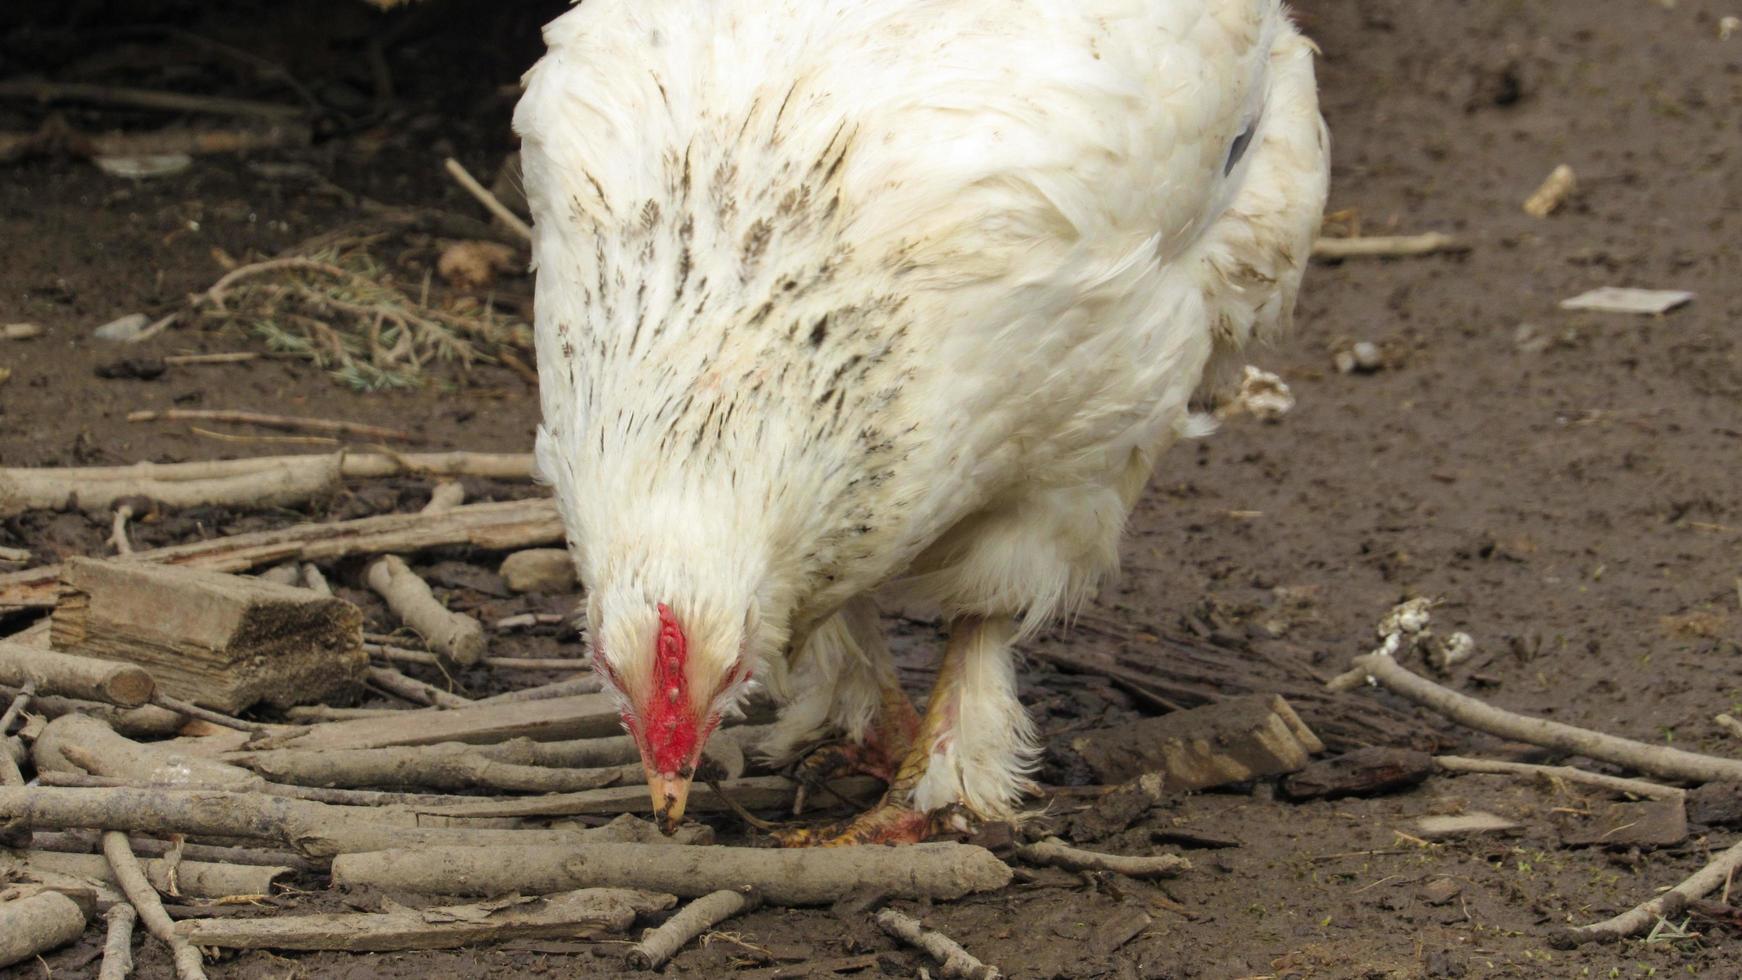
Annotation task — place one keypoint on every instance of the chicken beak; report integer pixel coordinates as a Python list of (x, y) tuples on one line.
[(670, 792)]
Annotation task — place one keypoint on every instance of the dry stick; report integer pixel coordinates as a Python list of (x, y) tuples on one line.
[(292, 422), (447, 495), (1058, 854), (497, 466), (145, 99), (416, 691), (585, 914), (279, 485), (11, 750), (139, 892), (800, 876), (54, 139), (317, 794), (34, 925), (315, 829), (389, 651), (18, 555), (1660, 760), (118, 943), (193, 879), (953, 960), (1395, 246), (77, 842), (458, 636), (584, 684), (493, 526), (192, 710), (661, 944), (465, 179), (118, 530), (19, 702), (1702, 882), (145, 721), (312, 713), (1634, 787), (314, 581), (453, 765), (50, 672), (254, 440)]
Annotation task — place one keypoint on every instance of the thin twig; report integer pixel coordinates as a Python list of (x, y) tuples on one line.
[(271, 422), (19, 703), (131, 877), (145, 99), (1635, 787), (953, 960), (1702, 882), (264, 440), (192, 710), (1660, 760), (414, 690), (464, 178)]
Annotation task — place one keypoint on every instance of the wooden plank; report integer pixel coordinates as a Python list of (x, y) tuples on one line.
[(221, 641)]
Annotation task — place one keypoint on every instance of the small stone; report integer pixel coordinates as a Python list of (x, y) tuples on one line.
[(1441, 891), (1344, 361), (123, 329), (21, 331), (1451, 651), (1120, 808), (1367, 357), (539, 570)]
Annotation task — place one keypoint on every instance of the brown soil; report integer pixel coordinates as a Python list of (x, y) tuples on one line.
[(1566, 481)]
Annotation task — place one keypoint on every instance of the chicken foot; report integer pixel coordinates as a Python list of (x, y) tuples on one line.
[(880, 755), (896, 819)]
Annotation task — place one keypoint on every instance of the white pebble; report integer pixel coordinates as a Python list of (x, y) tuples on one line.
[(123, 329)]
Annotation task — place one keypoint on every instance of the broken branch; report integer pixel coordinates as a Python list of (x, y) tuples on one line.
[(1618, 784), (953, 960), (458, 636), (661, 944), (1702, 882), (452, 765), (118, 942), (414, 690), (464, 178), (814, 876), (1058, 854), (1660, 760), (80, 677), (34, 925), (144, 900)]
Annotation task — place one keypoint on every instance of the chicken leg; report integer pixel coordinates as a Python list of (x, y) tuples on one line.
[(973, 735)]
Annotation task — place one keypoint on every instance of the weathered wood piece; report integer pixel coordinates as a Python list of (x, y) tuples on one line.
[(145, 721), (798, 876), (34, 925), (314, 829), (446, 765), (953, 961), (1227, 742), (752, 793), (66, 674), (458, 636), (1363, 772), (581, 716), (661, 944), (492, 526), (118, 943), (1716, 805), (125, 867), (1551, 774), (1721, 870), (219, 641), (194, 879), (1058, 854), (589, 913), (82, 744)]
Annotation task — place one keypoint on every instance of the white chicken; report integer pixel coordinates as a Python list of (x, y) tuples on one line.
[(834, 295)]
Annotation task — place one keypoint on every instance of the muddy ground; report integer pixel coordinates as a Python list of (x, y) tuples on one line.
[(1567, 482)]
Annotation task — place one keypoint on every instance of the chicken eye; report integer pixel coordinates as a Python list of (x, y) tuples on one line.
[(1238, 148)]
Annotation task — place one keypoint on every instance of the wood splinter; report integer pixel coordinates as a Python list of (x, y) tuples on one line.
[(953, 960), (661, 944)]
